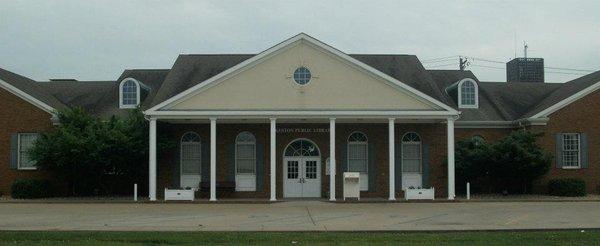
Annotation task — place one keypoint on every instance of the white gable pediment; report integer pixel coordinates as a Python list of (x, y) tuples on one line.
[(267, 84)]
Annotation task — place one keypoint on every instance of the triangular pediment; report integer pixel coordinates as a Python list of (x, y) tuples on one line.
[(336, 83)]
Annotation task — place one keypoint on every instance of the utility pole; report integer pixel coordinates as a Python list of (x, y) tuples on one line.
[(462, 63), (525, 46)]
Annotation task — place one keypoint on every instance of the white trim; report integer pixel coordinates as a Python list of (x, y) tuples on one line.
[(546, 112), (152, 160), (19, 153), (303, 113), (578, 150), (420, 144), (213, 160), (285, 159), (138, 90), (298, 139), (254, 157), (367, 164), (272, 150), (181, 158), (451, 188), (294, 73), (17, 92), (501, 124), (391, 159), (459, 93), (284, 46), (365, 143), (332, 161)]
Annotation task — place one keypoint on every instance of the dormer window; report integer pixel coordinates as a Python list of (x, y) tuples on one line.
[(129, 93), (468, 94)]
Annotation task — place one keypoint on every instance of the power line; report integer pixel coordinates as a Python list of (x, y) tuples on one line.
[(478, 59), (502, 68), (439, 58), (474, 65), (486, 60), (555, 68), (570, 69), (565, 73), (444, 60), (443, 65)]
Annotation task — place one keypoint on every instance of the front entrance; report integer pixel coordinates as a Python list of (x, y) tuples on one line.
[(302, 169)]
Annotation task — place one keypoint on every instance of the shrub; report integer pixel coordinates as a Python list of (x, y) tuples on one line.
[(31, 188), (87, 153), (567, 187), (510, 164)]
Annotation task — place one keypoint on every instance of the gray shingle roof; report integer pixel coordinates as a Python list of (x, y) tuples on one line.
[(85, 94), (151, 78), (498, 101), (101, 98), (515, 99), (487, 111), (566, 90), (190, 70), (32, 88)]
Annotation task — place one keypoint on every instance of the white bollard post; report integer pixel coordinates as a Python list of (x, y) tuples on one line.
[(135, 192), (468, 191)]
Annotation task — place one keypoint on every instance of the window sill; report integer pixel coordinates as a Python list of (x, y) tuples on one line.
[(128, 106), (27, 169), (571, 168)]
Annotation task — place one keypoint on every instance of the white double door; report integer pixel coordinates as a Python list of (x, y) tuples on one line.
[(302, 177)]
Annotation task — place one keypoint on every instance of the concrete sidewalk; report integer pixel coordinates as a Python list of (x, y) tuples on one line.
[(300, 216)]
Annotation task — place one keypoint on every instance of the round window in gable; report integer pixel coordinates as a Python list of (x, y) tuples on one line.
[(302, 75)]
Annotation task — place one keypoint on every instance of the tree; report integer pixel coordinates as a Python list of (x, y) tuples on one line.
[(472, 160), (511, 164), (517, 161), (94, 156)]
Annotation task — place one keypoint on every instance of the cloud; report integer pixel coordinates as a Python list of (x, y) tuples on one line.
[(97, 40)]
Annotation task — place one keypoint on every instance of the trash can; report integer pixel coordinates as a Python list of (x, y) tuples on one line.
[(351, 185)]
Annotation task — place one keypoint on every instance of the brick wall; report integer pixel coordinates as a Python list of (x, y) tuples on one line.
[(18, 116), (580, 116), (432, 134)]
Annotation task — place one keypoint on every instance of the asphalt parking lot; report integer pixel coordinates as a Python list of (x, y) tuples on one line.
[(299, 216)]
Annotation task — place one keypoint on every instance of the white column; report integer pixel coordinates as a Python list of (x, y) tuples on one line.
[(450, 134), (152, 161), (392, 159), (332, 159), (272, 152), (213, 159)]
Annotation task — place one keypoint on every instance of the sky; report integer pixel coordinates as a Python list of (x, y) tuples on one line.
[(97, 40)]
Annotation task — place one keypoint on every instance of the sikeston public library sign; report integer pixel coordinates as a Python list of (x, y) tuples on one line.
[(302, 130)]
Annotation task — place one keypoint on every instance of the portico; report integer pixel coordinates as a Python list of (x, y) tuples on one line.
[(299, 84), (317, 171)]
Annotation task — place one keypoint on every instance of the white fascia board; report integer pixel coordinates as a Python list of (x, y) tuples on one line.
[(302, 114), (546, 112), (282, 47), (16, 91), (502, 124), (484, 124)]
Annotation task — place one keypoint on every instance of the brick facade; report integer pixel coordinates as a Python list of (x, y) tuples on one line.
[(578, 117), (433, 135), (18, 116)]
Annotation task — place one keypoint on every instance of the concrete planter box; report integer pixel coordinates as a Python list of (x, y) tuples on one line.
[(419, 194), (179, 195)]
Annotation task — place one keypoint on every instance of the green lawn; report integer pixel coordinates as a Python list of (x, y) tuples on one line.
[(301, 238)]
